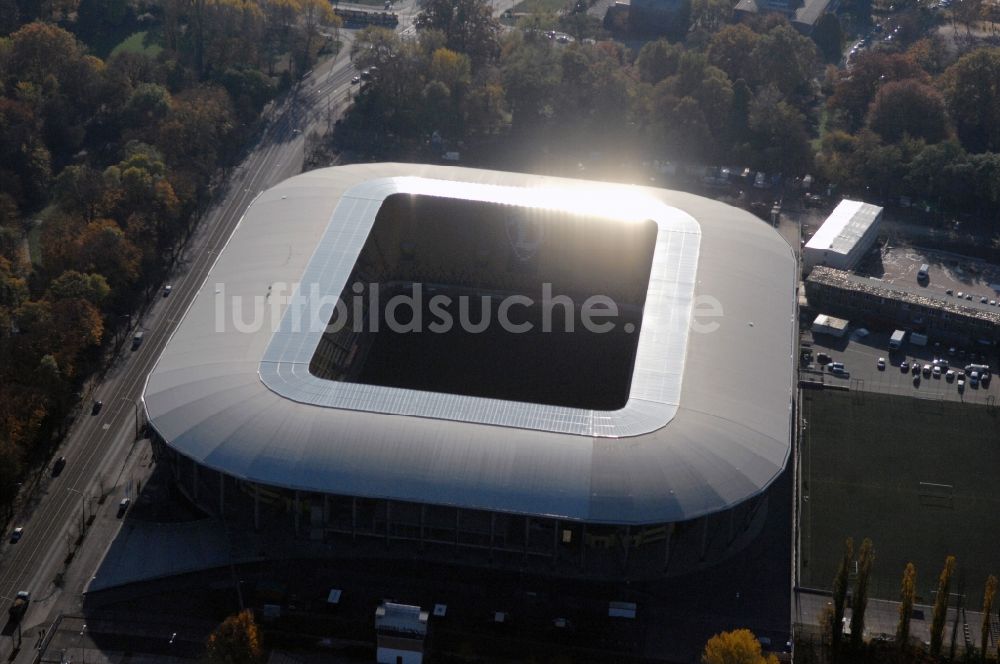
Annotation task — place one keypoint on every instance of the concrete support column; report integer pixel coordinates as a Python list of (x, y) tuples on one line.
[(354, 519), (628, 545), (423, 518), (493, 527), (388, 517), (256, 507), (297, 511), (704, 536), (222, 494), (666, 546), (555, 541)]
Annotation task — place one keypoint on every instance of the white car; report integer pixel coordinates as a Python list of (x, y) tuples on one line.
[(881, 364), (949, 375), (960, 294), (937, 371), (961, 385)]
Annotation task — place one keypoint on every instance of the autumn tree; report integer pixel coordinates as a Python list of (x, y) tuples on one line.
[(730, 50), (989, 593), (236, 641), (908, 108), (739, 646), (859, 602), (658, 60), (468, 26), (840, 585), (941, 605), (906, 595), (784, 58), (854, 91)]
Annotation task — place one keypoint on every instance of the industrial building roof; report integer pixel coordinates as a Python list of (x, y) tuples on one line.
[(845, 226), (708, 420)]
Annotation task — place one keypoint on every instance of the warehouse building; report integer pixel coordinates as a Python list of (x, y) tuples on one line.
[(844, 238)]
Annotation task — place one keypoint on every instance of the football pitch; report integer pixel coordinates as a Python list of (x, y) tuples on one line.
[(921, 478)]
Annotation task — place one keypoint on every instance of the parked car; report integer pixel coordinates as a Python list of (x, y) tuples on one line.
[(916, 368), (904, 366), (961, 385), (927, 370), (16, 536), (950, 376), (880, 364), (936, 371), (823, 358)]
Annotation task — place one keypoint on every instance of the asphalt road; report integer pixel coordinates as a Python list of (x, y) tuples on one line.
[(98, 446)]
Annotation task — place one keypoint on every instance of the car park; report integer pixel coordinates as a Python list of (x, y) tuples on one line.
[(16, 535)]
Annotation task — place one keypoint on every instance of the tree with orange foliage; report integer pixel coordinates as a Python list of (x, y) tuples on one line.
[(235, 641), (739, 646)]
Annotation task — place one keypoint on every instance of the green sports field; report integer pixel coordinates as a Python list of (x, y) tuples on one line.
[(921, 478)]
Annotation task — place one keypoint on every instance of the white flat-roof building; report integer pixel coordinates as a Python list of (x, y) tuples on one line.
[(278, 415), (846, 235)]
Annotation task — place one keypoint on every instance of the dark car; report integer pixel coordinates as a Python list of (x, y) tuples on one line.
[(823, 358), (96, 408), (58, 466), (814, 200), (123, 507)]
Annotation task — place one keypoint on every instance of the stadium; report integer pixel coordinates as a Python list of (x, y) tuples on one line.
[(509, 368)]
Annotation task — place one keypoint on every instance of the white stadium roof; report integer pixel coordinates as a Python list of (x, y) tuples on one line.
[(707, 424)]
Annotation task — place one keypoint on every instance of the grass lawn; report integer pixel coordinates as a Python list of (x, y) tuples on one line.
[(138, 42), (917, 476), (544, 6)]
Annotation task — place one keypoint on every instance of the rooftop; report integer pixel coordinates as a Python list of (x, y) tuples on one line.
[(910, 293), (847, 224), (705, 425)]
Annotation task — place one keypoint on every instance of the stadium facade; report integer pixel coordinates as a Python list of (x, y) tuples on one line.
[(644, 449)]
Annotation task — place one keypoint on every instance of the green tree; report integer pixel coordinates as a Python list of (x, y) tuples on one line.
[(657, 60), (784, 58), (739, 646), (730, 50), (468, 26), (859, 602), (972, 91), (235, 641), (988, 595), (829, 37), (941, 605), (907, 591), (840, 584)]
